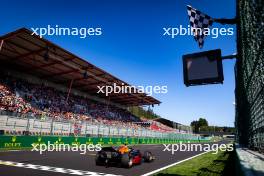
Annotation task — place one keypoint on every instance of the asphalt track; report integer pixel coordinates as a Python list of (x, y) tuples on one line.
[(28, 163)]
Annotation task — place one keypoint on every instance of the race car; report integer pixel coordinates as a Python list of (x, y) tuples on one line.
[(111, 155)]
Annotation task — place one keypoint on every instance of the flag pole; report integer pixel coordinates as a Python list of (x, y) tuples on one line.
[(226, 20)]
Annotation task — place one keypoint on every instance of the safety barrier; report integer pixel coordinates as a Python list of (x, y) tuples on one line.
[(20, 142)]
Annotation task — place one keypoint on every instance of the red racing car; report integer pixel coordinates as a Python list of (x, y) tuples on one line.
[(111, 155)]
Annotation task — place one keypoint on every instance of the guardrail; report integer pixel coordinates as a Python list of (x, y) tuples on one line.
[(20, 142)]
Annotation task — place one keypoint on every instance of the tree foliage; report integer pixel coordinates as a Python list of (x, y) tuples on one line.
[(202, 125), (197, 124)]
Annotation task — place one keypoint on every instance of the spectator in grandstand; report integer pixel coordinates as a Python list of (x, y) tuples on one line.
[(41, 101)]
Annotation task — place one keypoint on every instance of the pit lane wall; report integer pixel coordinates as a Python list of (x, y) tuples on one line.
[(20, 142)]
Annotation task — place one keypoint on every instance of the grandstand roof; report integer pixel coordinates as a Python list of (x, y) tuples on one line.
[(34, 55)]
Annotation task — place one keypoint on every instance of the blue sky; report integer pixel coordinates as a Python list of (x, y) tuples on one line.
[(133, 48)]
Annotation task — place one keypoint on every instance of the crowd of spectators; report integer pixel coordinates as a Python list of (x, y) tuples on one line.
[(157, 126), (41, 101), (38, 100)]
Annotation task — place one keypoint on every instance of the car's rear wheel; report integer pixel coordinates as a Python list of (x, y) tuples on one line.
[(97, 161), (126, 161), (148, 157), (140, 161)]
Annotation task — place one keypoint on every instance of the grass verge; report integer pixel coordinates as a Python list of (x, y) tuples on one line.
[(205, 165)]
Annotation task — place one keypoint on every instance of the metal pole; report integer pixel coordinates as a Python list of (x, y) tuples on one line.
[(15, 126), (1, 44), (69, 91), (229, 57), (98, 128), (85, 129), (61, 128), (70, 127), (226, 21), (51, 126), (27, 127)]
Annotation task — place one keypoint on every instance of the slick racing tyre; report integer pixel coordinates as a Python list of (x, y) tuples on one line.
[(126, 161), (100, 158), (148, 156)]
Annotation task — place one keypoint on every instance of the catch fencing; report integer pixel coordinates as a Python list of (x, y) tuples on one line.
[(250, 74)]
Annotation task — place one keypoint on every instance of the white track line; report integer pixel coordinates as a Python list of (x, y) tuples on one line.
[(53, 169), (166, 167)]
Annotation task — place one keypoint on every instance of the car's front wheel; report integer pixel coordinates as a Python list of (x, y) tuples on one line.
[(100, 158)]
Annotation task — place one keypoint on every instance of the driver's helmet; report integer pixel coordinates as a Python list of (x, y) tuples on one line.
[(123, 149)]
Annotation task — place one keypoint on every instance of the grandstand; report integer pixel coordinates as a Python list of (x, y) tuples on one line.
[(46, 90)]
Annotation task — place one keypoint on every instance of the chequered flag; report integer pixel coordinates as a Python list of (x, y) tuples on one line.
[(199, 22)]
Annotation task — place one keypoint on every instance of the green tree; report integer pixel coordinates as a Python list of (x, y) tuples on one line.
[(202, 122), (197, 124)]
